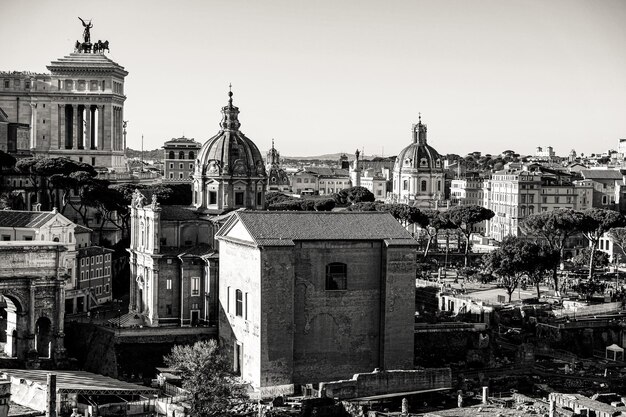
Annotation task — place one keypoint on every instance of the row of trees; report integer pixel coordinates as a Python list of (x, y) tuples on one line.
[(460, 218), (353, 195), (542, 250), (63, 183)]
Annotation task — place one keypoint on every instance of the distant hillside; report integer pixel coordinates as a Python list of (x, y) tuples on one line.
[(331, 157), (155, 154)]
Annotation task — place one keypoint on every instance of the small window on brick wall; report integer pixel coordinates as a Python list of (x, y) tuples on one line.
[(336, 276), (239, 303)]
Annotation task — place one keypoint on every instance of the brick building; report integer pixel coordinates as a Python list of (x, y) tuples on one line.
[(94, 278), (179, 156), (314, 296), (320, 180)]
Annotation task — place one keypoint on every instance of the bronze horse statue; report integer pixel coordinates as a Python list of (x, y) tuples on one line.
[(100, 47)]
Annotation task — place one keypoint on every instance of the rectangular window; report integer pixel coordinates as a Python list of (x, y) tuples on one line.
[(106, 288), (195, 286), (171, 175), (238, 303), (228, 300), (180, 166), (180, 175), (92, 260), (6, 84), (336, 276), (171, 165), (298, 180), (259, 198), (82, 275), (191, 166), (6, 238), (212, 197), (93, 161), (239, 198), (246, 307), (168, 284)]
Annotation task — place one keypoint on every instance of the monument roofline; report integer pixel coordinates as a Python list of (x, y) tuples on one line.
[(77, 62)]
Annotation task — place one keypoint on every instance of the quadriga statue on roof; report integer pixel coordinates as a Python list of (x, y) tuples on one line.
[(86, 34)]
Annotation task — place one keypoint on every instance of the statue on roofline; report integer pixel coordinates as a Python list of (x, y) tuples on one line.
[(86, 34)]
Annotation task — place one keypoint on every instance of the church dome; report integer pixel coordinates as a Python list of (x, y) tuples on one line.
[(276, 175), (419, 155), (229, 152)]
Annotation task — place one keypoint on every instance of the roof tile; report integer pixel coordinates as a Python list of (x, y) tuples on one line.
[(280, 228)]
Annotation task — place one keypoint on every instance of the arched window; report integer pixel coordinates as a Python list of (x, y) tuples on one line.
[(531, 210), (181, 155), (192, 155), (143, 234), (336, 276), (423, 185), (172, 155), (238, 303)]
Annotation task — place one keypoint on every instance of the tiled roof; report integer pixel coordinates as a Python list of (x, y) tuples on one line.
[(179, 213), (93, 250), (282, 228), (328, 172), (601, 174), (15, 218), (82, 229)]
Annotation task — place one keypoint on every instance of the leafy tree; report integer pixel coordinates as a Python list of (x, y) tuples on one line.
[(538, 261), (432, 221), (555, 227), (582, 259), (618, 237), (307, 205), (364, 206), (274, 197), (289, 205), (508, 262), (208, 378), (356, 194), (325, 205), (465, 217), (50, 174), (589, 288), (597, 222)]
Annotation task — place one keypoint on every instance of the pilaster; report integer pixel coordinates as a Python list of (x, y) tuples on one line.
[(75, 126)]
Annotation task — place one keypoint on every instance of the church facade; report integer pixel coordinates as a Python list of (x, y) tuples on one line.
[(173, 253), (75, 111)]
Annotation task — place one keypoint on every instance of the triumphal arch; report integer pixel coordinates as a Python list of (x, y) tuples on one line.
[(32, 301)]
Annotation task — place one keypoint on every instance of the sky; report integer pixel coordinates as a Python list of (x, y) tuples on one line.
[(333, 76)]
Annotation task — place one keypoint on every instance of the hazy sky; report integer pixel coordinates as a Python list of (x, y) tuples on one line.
[(330, 76)]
